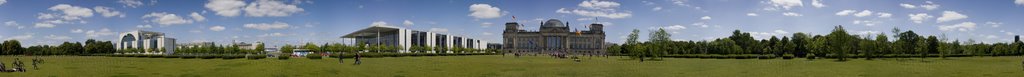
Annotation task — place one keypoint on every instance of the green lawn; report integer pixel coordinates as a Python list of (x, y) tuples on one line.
[(508, 66)]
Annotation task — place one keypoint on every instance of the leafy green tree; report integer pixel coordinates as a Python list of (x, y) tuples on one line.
[(12, 47), (841, 42), (634, 49), (659, 41)]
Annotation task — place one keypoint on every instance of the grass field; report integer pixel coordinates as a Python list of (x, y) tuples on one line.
[(508, 66)]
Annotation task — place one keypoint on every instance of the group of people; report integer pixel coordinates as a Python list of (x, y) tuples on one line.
[(341, 59), (20, 66)]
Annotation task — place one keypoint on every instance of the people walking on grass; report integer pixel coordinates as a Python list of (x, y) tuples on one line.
[(341, 57)]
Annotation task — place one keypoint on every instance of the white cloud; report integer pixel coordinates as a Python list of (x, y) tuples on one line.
[(130, 3), (863, 13), (656, 9), (845, 12), (228, 8), (791, 14), (751, 14), (781, 31), (950, 16), (884, 15), (272, 35), (596, 8), (55, 37), (786, 4), (674, 27), (486, 24), (108, 12), (408, 23), (77, 31), (101, 32), (44, 25), (270, 8), (144, 26), (908, 6), (601, 5), (965, 26), (217, 28), (1019, 2), (439, 30), (929, 5), (27, 36), (2, 2), (866, 22), (705, 18), (11, 23), (817, 3), (867, 32), (919, 17), (267, 26), (165, 19), (701, 24), (994, 24), (484, 11), (197, 17)]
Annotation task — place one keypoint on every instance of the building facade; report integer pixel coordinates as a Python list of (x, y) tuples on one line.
[(148, 41), (407, 38), (554, 37)]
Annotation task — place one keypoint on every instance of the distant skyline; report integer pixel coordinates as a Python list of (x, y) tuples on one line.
[(278, 22)]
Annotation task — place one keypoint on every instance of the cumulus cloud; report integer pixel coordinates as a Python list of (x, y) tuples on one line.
[(965, 26), (55, 37), (486, 24), (751, 14), (866, 22), (817, 3), (130, 3), (408, 23), (270, 8), (792, 14), (1019, 2), (950, 16), (867, 32), (164, 18), (144, 26), (65, 14), (267, 26), (27, 36), (273, 35), (108, 12), (863, 13), (217, 28), (595, 8), (197, 17), (674, 27), (379, 23), (484, 11), (101, 32), (884, 15), (919, 17), (845, 12), (908, 6), (786, 4), (705, 18), (2, 2), (656, 9), (994, 24), (227, 8)]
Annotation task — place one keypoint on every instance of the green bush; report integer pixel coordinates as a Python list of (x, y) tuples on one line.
[(283, 56), (257, 56), (313, 56), (208, 56)]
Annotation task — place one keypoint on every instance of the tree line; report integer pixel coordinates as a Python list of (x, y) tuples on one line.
[(91, 46), (837, 44)]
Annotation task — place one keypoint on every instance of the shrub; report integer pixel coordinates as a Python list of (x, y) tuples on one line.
[(313, 56), (283, 57), (208, 56), (257, 56)]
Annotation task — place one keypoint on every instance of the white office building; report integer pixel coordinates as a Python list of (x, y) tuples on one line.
[(406, 38), (146, 41)]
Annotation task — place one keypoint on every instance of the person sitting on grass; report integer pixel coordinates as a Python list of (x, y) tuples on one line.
[(18, 65), (358, 56)]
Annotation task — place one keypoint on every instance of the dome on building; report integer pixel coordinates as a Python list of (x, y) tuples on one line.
[(553, 23)]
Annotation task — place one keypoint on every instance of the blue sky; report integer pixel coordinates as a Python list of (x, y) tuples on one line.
[(278, 22)]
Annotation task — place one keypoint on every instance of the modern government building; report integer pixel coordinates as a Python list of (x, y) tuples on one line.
[(146, 40), (406, 38), (554, 37)]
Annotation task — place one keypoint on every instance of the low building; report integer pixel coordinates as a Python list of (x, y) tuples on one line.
[(406, 38)]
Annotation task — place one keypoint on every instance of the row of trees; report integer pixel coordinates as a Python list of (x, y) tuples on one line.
[(838, 43), (13, 47), (340, 48), (210, 49)]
